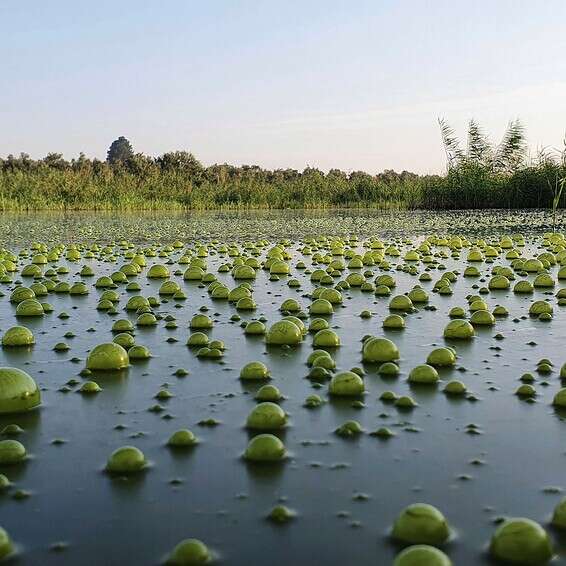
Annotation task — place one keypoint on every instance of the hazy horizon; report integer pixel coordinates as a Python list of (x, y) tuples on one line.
[(324, 84)]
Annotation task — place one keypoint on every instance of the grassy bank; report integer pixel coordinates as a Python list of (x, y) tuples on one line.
[(46, 188), (482, 176)]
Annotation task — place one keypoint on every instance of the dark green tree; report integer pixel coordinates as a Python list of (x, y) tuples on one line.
[(119, 151)]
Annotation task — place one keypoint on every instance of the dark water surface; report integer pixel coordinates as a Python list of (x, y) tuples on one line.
[(222, 500)]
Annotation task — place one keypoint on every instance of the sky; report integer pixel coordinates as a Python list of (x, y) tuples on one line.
[(349, 84)]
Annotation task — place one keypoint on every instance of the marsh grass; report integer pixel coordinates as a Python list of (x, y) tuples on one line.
[(483, 175)]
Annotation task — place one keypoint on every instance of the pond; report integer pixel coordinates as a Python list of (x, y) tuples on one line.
[(478, 457)]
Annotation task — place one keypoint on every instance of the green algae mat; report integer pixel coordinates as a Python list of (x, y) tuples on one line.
[(337, 387)]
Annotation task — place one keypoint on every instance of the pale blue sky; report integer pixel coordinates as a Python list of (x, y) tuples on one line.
[(354, 84)]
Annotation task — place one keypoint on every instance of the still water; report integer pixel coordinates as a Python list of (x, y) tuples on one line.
[(346, 492)]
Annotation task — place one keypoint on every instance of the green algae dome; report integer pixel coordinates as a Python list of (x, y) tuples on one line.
[(197, 339), (182, 438), (326, 338), (459, 329), (421, 523), (30, 307), (401, 303), (18, 391), (107, 357), (559, 515), (158, 271), (18, 336), (540, 307), (346, 384), (422, 555), (268, 393), (200, 321), (265, 448), (321, 307), (6, 545), (190, 552), (254, 371), (139, 352), (423, 373), (441, 357), (379, 350), (90, 387), (455, 387), (521, 541), (11, 452), (482, 317), (266, 416), (560, 398), (393, 321), (126, 460), (284, 332)]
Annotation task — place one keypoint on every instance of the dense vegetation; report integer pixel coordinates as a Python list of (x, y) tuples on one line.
[(482, 176)]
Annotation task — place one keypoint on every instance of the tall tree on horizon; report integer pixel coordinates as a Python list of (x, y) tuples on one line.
[(119, 151)]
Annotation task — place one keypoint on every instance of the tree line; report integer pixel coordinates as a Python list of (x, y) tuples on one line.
[(482, 175)]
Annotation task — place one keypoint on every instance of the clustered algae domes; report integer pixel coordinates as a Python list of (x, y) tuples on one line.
[(308, 308)]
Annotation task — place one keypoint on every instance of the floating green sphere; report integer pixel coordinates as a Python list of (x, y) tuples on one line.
[(441, 357), (379, 350), (284, 332), (455, 387), (321, 307), (423, 373), (394, 321), (265, 448), (126, 460), (346, 384), (158, 271), (559, 515), (18, 391), (90, 387), (560, 398), (107, 357), (421, 523), (182, 438), (6, 546), (190, 552), (401, 303), (422, 555), (139, 352), (29, 307), (253, 371), (459, 329), (326, 339), (482, 317), (268, 393), (538, 308), (11, 452), (521, 541), (266, 416), (18, 336)]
